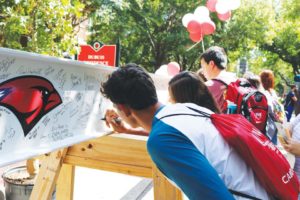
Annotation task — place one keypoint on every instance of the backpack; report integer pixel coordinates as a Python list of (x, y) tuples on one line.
[(251, 103), (268, 164), (278, 113)]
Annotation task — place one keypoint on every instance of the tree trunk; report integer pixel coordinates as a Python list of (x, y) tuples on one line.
[(296, 68)]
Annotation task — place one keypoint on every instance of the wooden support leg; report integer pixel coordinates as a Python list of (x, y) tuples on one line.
[(48, 175), (30, 167), (163, 189), (65, 183)]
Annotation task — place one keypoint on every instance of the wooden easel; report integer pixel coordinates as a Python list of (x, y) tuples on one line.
[(109, 153)]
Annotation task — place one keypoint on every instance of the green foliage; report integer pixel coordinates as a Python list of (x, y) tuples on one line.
[(267, 33), (42, 26), (151, 32), (286, 43)]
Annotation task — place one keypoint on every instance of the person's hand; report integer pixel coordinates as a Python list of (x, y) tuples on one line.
[(113, 120), (292, 146)]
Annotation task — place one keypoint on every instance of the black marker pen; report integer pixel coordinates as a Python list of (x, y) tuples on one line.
[(118, 120)]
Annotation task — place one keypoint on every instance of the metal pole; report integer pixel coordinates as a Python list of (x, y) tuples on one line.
[(118, 53)]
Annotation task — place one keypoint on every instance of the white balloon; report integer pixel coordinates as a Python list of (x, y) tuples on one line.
[(187, 18), (223, 6), (201, 12), (234, 4), (204, 19), (162, 70)]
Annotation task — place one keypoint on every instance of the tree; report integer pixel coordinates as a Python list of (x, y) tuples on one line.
[(151, 32), (268, 28), (42, 26), (286, 43)]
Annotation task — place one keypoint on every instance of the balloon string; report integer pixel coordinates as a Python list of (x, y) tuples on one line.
[(193, 46), (203, 48)]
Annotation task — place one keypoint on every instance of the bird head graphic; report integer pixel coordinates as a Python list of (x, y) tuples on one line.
[(29, 98)]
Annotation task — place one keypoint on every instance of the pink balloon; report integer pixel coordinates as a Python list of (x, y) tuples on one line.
[(196, 37), (173, 68), (224, 17), (208, 27), (194, 26), (211, 5)]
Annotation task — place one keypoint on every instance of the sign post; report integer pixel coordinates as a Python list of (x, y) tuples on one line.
[(118, 52)]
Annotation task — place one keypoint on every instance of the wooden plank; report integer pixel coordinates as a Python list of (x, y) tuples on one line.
[(114, 150), (163, 189), (48, 175), (122, 155), (134, 170), (65, 183), (30, 167)]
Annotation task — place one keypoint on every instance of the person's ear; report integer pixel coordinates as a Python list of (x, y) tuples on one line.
[(125, 109), (211, 64)]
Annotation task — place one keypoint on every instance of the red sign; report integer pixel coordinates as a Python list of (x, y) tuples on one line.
[(105, 55)]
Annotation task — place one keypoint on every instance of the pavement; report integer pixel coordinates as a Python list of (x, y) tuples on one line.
[(102, 185)]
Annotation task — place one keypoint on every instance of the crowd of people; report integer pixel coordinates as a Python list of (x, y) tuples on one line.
[(189, 150)]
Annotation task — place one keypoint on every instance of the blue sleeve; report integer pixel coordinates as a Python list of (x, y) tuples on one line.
[(178, 159), (292, 94)]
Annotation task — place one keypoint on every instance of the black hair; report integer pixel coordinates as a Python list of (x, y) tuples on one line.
[(216, 54), (188, 87), (132, 86)]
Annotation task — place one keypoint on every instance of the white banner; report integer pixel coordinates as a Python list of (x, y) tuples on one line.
[(47, 103)]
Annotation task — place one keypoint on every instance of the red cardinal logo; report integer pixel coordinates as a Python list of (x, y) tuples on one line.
[(29, 98)]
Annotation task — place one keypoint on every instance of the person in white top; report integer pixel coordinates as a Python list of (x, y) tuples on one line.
[(293, 145), (276, 111)]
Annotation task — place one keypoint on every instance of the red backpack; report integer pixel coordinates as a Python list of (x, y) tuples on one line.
[(267, 162), (251, 103)]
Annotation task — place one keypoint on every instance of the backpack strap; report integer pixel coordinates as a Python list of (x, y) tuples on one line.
[(177, 114), (202, 114), (243, 195), (207, 115), (221, 81)]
